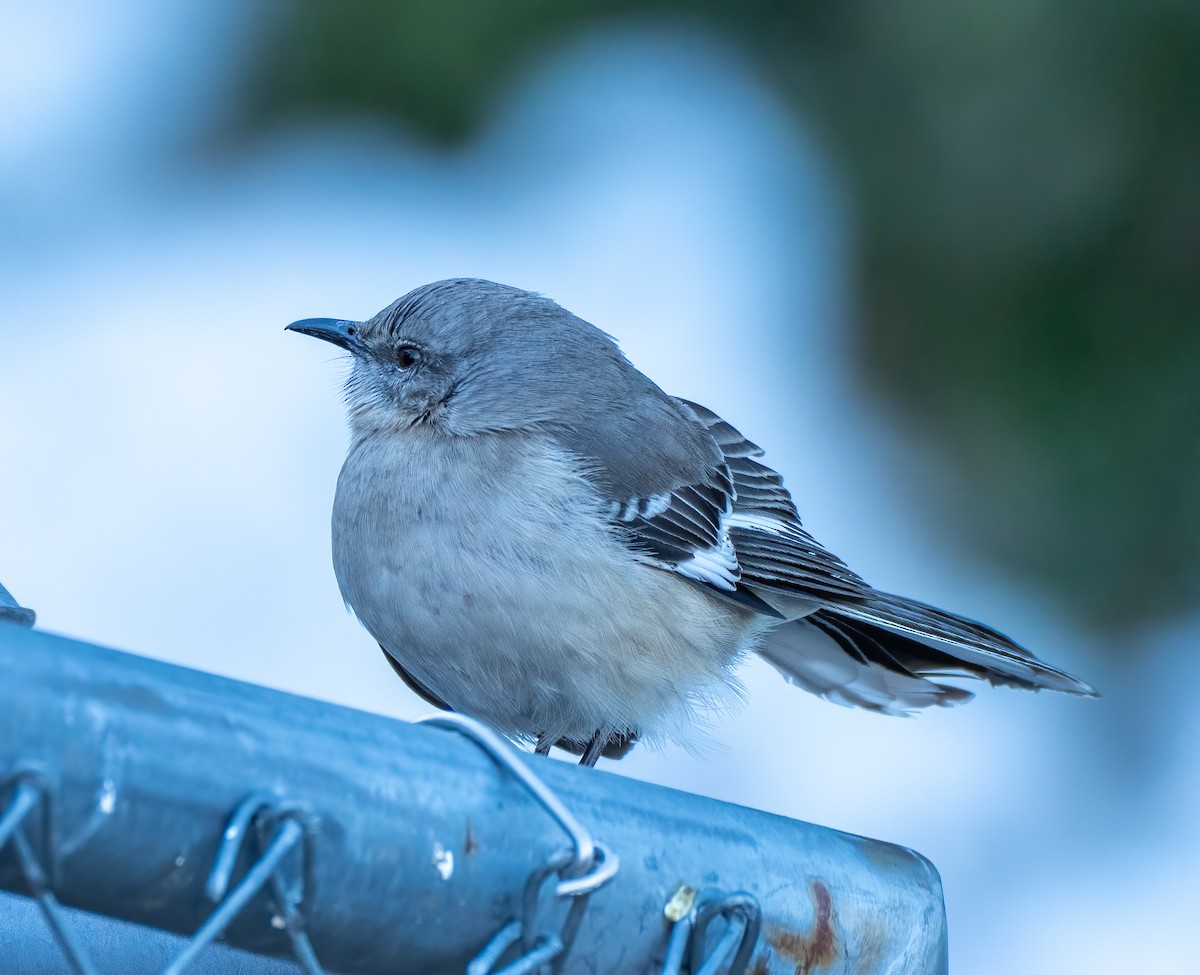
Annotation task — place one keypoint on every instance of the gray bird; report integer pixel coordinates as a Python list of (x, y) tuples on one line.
[(540, 537)]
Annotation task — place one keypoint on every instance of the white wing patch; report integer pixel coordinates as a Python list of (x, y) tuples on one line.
[(717, 566), (656, 504), (689, 533), (653, 506), (756, 522)]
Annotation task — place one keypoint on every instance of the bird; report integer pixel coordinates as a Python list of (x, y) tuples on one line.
[(541, 538)]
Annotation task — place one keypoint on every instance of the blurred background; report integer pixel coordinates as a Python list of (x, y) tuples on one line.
[(939, 259)]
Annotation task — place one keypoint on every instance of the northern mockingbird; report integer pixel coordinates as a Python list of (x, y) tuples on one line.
[(540, 537)]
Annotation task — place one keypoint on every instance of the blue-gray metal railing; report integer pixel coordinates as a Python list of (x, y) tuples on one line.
[(28, 946), (379, 846)]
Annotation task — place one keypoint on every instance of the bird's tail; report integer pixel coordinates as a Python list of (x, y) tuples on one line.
[(881, 654)]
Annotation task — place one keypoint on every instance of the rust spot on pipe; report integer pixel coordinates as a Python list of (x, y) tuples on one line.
[(817, 947)]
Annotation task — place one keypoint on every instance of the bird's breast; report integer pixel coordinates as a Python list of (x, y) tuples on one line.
[(487, 567), (408, 503), (443, 539)]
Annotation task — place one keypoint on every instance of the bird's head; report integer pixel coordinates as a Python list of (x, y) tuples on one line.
[(469, 356)]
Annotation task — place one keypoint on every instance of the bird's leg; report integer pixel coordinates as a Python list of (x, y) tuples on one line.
[(543, 745), (595, 748)]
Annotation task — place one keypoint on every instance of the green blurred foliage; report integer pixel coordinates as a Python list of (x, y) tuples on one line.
[(1025, 178)]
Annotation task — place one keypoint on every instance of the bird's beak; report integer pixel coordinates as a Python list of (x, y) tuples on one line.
[(335, 330)]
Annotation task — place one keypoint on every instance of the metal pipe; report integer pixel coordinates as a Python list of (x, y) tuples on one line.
[(28, 946), (423, 844)]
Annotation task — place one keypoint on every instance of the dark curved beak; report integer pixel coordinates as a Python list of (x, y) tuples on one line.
[(336, 330)]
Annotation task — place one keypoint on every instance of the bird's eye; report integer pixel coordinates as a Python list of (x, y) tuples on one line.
[(408, 356)]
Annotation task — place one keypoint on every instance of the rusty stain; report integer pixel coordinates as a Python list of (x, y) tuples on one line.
[(471, 843), (817, 948), (760, 967)]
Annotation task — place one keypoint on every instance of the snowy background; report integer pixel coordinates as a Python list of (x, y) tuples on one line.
[(169, 454)]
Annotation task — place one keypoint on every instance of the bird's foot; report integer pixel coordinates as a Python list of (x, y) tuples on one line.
[(595, 748)]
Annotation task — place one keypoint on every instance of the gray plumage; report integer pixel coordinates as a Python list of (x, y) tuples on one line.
[(538, 536)]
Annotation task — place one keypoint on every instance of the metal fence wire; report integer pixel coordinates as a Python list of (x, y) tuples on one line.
[(29, 793), (276, 829), (704, 888)]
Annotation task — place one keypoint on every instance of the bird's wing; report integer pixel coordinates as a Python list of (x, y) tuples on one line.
[(891, 638), (682, 526), (763, 528), (686, 491), (690, 495)]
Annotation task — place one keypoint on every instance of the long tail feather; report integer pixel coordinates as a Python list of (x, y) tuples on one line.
[(959, 645), (881, 655)]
